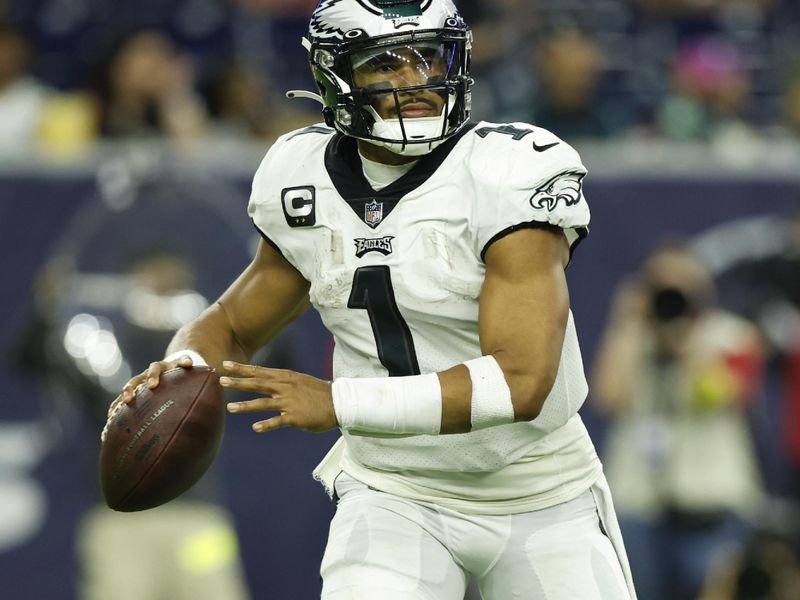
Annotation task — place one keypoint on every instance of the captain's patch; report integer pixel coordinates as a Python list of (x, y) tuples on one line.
[(299, 206)]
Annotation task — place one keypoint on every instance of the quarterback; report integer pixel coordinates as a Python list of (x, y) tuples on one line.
[(434, 250)]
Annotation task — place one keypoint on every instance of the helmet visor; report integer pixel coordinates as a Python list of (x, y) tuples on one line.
[(405, 65)]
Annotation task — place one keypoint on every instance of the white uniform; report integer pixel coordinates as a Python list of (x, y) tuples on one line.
[(396, 276)]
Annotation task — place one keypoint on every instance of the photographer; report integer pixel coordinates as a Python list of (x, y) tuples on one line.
[(676, 375)]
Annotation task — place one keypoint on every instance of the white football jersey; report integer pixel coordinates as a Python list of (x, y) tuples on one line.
[(396, 275)]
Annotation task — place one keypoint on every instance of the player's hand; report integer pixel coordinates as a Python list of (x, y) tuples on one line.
[(304, 402), (149, 378), (630, 302)]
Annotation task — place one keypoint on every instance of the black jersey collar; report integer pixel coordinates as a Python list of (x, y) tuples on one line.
[(344, 168)]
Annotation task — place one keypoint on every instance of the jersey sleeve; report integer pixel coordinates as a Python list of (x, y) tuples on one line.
[(264, 207), (260, 192), (536, 181)]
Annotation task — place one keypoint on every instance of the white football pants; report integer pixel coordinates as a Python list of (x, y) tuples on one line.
[(390, 548)]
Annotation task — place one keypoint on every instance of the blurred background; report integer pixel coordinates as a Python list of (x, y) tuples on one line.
[(129, 133)]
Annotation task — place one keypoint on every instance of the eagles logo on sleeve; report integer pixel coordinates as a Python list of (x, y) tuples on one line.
[(564, 186)]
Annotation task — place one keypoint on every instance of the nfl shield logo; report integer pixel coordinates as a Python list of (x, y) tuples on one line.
[(373, 213)]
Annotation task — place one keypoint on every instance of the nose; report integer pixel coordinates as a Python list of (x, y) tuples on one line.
[(412, 74)]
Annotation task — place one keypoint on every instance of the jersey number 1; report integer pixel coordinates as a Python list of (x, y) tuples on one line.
[(373, 292)]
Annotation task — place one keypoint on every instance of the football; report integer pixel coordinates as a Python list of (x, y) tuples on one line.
[(163, 441)]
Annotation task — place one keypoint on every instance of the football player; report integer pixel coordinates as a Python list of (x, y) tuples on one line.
[(434, 250)]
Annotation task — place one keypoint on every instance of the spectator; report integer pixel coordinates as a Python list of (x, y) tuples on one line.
[(504, 33), (265, 34), (21, 96), (756, 262), (711, 93), (244, 104), (772, 283), (294, 8), (147, 89), (767, 569), (693, 17), (569, 65), (675, 375)]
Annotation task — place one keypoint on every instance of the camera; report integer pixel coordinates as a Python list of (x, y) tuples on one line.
[(669, 303)]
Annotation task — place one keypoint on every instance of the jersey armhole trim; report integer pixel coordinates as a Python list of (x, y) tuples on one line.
[(517, 227), (582, 232), (267, 239)]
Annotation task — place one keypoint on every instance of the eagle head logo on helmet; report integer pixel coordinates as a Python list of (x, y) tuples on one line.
[(392, 72)]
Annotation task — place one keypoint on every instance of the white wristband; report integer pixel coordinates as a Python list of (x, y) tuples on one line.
[(396, 405), (197, 360), (491, 397)]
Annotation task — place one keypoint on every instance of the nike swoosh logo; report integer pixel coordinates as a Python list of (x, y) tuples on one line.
[(545, 147)]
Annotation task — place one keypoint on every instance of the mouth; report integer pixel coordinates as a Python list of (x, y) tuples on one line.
[(417, 109)]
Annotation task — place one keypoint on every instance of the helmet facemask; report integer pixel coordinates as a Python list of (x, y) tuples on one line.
[(406, 92)]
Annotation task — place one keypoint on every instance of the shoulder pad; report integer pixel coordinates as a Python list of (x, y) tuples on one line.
[(526, 156)]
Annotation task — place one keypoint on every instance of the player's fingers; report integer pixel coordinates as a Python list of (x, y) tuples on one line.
[(277, 422), (153, 373), (243, 370), (248, 384), (125, 396), (235, 368), (185, 362), (117, 401), (257, 405), (129, 391)]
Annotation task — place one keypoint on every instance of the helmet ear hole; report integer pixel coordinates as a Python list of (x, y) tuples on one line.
[(327, 89)]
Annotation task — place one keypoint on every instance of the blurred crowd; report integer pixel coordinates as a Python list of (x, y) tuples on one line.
[(702, 403), (706, 513), (72, 72)]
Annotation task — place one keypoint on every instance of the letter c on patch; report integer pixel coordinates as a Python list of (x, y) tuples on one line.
[(299, 206)]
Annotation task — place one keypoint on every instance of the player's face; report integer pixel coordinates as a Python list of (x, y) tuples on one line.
[(402, 67)]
